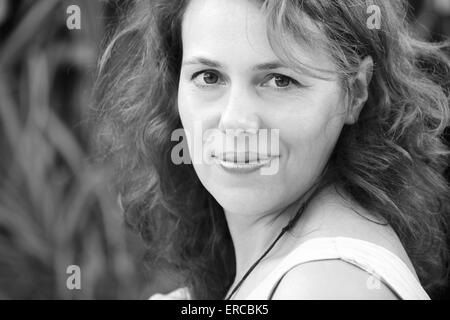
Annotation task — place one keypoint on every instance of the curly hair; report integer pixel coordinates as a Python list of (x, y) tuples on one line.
[(391, 160)]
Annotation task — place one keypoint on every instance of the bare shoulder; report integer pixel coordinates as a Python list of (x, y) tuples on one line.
[(335, 214), (331, 279)]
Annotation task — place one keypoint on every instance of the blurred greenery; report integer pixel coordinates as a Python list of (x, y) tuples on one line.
[(55, 207)]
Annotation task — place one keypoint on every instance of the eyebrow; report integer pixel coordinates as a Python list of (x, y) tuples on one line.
[(214, 64)]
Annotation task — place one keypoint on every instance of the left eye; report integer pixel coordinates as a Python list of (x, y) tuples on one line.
[(282, 81)]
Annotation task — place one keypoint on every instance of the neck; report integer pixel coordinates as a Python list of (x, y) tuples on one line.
[(252, 235)]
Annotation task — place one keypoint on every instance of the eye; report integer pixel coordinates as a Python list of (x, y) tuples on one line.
[(282, 82), (206, 78), (210, 78)]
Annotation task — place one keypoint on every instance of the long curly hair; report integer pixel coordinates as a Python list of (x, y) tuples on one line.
[(391, 161)]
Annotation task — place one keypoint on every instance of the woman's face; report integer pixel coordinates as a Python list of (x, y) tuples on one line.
[(231, 79)]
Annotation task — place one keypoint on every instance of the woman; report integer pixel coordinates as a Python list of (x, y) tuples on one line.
[(352, 203)]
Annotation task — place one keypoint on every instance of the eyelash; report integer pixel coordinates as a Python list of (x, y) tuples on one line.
[(271, 76)]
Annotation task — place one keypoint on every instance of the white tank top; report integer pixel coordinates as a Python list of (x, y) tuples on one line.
[(374, 259)]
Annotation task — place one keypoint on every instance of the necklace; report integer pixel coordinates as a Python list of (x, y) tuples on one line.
[(286, 228)]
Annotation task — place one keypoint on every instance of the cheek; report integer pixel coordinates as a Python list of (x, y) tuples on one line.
[(192, 107), (184, 105), (311, 135), (187, 116), (191, 111), (317, 128), (196, 118)]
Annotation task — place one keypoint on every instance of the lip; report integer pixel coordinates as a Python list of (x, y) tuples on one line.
[(242, 157), (242, 167)]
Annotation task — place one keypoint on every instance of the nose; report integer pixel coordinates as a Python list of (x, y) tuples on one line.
[(240, 113)]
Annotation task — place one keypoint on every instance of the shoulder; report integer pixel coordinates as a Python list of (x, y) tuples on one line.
[(331, 279), (335, 214)]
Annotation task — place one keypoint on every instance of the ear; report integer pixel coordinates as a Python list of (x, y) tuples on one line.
[(359, 90)]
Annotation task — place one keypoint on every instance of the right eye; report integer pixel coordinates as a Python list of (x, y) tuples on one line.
[(206, 78)]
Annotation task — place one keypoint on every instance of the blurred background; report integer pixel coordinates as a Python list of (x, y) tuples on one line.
[(55, 207)]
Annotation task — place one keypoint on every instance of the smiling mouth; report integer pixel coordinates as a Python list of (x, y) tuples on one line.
[(245, 158), (242, 167)]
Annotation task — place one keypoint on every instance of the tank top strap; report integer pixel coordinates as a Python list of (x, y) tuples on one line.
[(381, 263)]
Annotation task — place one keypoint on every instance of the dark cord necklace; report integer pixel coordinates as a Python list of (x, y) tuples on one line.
[(286, 228)]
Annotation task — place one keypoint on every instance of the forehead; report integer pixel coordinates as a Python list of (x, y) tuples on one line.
[(235, 30)]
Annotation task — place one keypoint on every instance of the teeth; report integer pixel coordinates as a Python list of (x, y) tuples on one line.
[(245, 164), (247, 158), (248, 161)]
